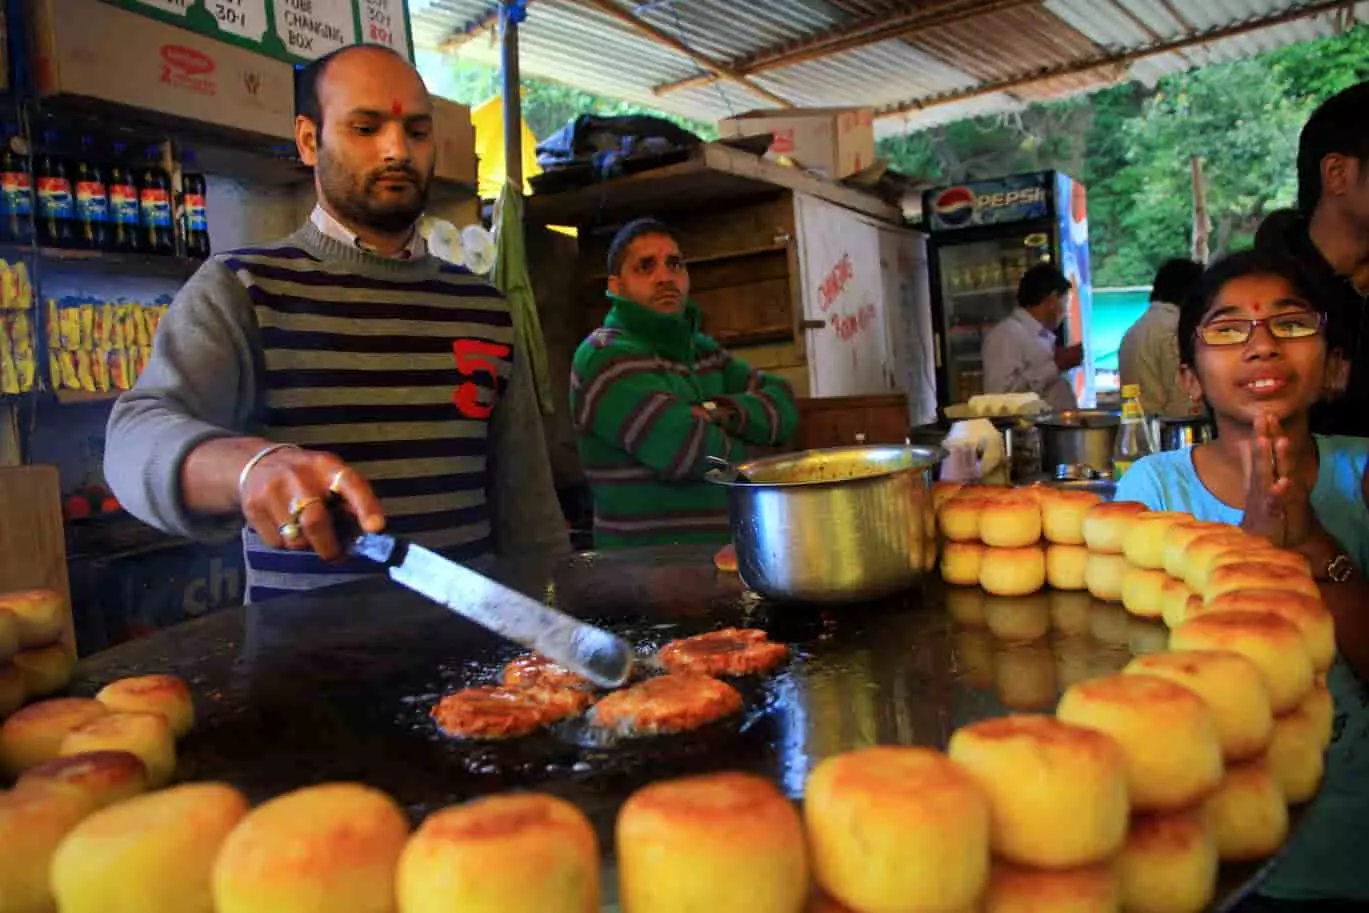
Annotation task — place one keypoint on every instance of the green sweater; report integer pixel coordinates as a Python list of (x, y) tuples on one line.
[(633, 385)]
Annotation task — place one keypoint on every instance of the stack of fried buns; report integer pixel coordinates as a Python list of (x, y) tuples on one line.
[(34, 659)]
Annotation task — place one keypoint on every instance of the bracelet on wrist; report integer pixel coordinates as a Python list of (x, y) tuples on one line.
[(256, 458)]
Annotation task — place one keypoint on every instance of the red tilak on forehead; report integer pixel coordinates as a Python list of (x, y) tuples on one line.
[(1256, 308), (396, 108)]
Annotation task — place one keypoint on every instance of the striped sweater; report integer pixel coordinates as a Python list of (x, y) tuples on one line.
[(633, 384), (403, 368)]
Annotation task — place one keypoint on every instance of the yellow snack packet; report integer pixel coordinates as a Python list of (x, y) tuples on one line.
[(54, 322), (87, 312), (118, 369), (54, 369), (9, 293), (70, 322), (70, 379), (135, 313), (9, 375), (23, 285), (99, 367)]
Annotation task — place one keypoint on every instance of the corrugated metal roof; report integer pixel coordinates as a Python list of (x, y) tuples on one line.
[(933, 75)]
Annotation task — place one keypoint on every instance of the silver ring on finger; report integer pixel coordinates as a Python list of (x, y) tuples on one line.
[(299, 505), (335, 486), (290, 531)]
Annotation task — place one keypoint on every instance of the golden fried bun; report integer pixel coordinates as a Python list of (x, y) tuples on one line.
[(1203, 550), (1013, 571), (892, 829), (943, 492), (1272, 643), (1148, 716), (147, 735), (12, 691), (35, 733), (1254, 575), (1234, 691), (1169, 863), (1062, 514), (1069, 609), (1018, 619), (515, 853), (965, 604), (330, 847), (1269, 556), (1109, 624), (1144, 544), (41, 615), (150, 854), (728, 842), (1065, 566), (1177, 538), (32, 824), (1295, 756), (1309, 613), (1010, 521), (1107, 523), (1247, 813), (164, 694), (1057, 793), (1018, 889), (101, 777), (958, 517), (1141, 592), (1104, 575), (1174, 596), (1146, 636), (960, 563), (1024, 676), (47, 670), (1320, 709), (9, 635)]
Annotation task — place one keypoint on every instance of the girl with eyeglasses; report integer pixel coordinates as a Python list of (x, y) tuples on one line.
[(1253, 347)]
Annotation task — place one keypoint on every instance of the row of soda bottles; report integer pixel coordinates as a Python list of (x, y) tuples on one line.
[(87, 203), (988, 274)]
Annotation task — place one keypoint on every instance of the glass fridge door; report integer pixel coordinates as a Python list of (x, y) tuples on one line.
[(978, 289)]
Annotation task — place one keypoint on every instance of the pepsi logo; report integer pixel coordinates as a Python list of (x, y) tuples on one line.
[(954, 205)]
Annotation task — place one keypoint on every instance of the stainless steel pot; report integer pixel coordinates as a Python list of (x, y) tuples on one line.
[(1178, 433), (1078, 437), (838, 525)]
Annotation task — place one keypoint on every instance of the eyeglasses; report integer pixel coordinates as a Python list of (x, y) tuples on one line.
[(1235, 331)]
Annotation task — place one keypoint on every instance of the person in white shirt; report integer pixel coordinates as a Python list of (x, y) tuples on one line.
[(1022, 353), (1150, 348)]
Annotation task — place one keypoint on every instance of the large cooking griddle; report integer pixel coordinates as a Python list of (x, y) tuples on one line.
[(337, 686)]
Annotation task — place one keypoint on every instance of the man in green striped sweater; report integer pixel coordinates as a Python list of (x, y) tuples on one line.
[(652, 396)]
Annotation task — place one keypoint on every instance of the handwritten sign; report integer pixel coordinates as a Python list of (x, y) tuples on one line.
[(295, 31)]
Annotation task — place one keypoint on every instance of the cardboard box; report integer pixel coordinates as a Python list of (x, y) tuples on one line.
[(92, 49), (836, 142), (455, 137)]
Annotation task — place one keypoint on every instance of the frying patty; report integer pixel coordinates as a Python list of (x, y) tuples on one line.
[(535, 671), (668, 703), (731, 651), (726, 559), (503, 713)]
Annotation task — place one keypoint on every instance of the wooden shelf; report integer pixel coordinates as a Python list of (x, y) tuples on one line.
[(754, 337), (167, 265), (78, 397), (714, 176), (713, 258)]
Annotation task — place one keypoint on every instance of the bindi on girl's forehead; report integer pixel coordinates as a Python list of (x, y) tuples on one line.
[(396, 108)]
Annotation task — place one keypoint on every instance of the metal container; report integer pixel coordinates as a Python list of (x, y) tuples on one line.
[(839, 525), (1078, 437), (1178, 433)]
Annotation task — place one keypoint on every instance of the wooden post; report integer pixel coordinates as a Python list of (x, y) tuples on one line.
[(509, 86), (1202, 225)]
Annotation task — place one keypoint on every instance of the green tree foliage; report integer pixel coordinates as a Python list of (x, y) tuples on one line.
[(1132, 146)]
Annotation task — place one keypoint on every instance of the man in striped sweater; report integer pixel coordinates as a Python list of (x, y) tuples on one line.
[(343, 359), (651, 397)]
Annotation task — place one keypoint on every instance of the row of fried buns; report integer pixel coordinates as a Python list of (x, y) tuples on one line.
[(34, 662)]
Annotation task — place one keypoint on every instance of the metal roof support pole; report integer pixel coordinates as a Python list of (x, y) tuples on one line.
[(511, 12)]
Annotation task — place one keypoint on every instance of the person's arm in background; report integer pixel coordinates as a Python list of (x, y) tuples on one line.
[(524, 510), (1014, 364), (620, 396), (764, 411)]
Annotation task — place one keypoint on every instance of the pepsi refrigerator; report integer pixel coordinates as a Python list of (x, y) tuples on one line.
[(984, 236)]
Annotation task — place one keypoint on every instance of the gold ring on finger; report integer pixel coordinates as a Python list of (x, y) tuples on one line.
[(290, 531), (335, 486), (300, 505)]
